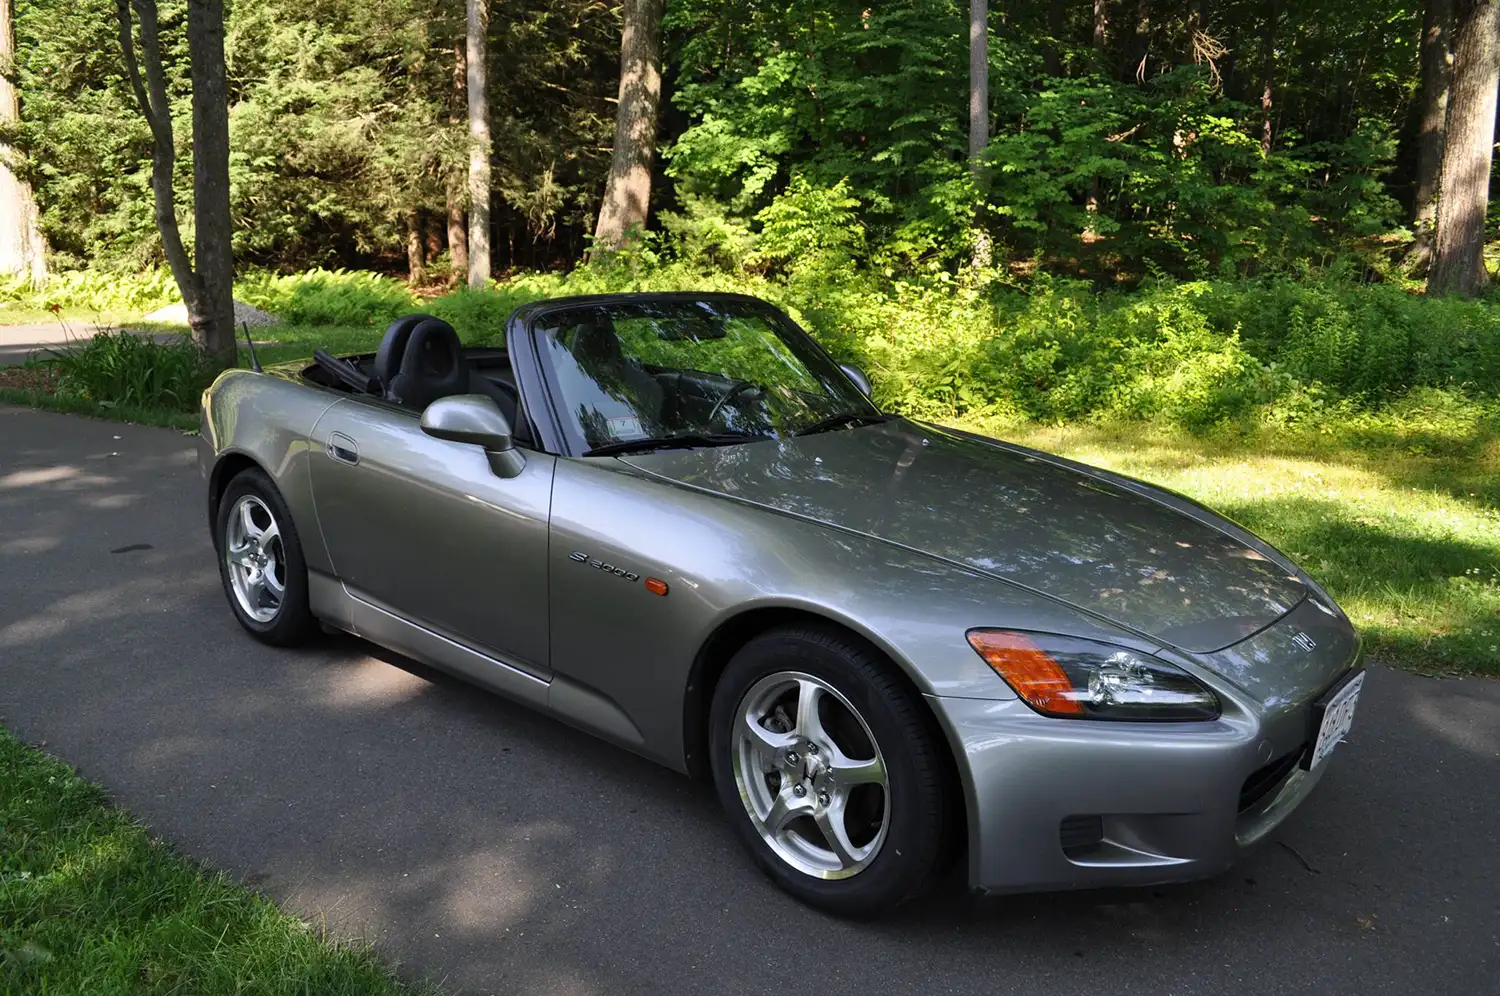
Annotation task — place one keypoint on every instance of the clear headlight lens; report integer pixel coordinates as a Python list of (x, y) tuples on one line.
[(1081, 679)]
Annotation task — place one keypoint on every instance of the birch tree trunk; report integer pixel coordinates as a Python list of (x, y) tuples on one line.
[(22, 250), (479, 143)]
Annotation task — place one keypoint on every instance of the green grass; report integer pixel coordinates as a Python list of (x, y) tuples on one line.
[(12, 313), (1401, 525), (91, 903), (69, 404)]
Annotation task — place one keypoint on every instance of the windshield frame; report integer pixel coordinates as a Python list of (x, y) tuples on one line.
[(570, 435)]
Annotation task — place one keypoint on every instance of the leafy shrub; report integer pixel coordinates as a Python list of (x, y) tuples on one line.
[(327, 297), (118, 367), (98, 291), (479, 315)]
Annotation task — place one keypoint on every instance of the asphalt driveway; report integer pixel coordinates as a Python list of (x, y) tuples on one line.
[(499, 851)]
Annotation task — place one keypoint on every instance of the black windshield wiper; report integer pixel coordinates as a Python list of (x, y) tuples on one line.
[(685, 441), (842, 419)]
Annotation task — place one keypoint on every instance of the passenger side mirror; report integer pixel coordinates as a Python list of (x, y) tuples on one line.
[(857, 375), (477, 420)]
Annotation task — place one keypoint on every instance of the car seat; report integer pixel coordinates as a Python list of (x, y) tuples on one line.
[(421, 359)]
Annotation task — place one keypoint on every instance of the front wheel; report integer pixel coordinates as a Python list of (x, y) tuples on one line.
[(260, 561), (827, 766)]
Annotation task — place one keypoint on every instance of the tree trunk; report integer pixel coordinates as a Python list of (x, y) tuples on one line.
[(1436, 47), (1267, 78), (1464, 188), (1101, 45), (979, 117), (458, 236), (479, 143), (151, 97), (627, 193), (22, 250), (1141, 49), (213, 244), (1057, 26), (416, 252)]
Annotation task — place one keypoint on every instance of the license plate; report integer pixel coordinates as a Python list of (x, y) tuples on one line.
[(1338, 717)]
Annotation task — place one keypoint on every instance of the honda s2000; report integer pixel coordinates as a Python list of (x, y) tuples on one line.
[(675, 522)]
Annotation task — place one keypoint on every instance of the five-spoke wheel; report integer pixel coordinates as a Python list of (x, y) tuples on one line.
[(828, 766), (256, 558), (810, 775), (260, 560)]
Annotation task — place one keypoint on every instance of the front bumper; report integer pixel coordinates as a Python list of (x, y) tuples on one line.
[(1164, 801), (1078, 804)]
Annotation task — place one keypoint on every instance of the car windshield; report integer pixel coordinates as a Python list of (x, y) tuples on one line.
[(700, 372)]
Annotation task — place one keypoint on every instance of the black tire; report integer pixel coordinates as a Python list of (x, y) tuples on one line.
[(916, 835), (293, 622)]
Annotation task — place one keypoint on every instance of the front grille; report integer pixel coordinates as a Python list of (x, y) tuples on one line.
[(1081, 834), (1265, 780)]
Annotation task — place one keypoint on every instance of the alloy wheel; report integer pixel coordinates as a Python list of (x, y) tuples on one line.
[(811, 775), (256, 557)]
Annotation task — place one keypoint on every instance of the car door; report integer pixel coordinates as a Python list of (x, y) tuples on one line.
[(423, 528)]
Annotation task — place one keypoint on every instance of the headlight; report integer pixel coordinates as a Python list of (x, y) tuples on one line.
[(1080, 679)]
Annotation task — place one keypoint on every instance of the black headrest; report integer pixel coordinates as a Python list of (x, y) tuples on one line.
[(392, 345), (432, 365)]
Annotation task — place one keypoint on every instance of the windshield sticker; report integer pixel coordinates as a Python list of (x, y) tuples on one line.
[(626, 427)]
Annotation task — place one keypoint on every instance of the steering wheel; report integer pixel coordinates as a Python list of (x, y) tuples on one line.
[(734, 390)]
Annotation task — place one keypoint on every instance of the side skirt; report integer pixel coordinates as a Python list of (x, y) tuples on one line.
[(578, 705)]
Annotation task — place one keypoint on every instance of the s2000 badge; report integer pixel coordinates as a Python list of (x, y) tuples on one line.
[(619, 572)]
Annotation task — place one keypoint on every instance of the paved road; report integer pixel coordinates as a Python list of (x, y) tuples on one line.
[(502, 852), (19, 342)]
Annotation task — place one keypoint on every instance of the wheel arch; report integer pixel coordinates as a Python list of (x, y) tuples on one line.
[(734, 633), (226, 467)]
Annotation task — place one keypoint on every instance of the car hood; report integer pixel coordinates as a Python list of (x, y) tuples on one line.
[(1013, 514)]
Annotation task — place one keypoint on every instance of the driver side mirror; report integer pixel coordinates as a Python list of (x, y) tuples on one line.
[(857, 375), (477, 420)]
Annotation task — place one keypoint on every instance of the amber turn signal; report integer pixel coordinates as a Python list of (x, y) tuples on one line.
[(656, 586), (1037, 678)]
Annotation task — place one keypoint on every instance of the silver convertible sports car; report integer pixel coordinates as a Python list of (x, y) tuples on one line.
[(673, 521)]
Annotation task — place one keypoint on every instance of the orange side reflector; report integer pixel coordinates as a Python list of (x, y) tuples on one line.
[(656, 586), (1036, 677)]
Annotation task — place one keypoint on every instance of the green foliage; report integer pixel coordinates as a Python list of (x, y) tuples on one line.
[(327, 297), (118, 367), (479, 315), (811, 229), (1194, 354), (93, 291)]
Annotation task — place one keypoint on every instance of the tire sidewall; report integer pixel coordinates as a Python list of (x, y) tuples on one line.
[(293, 620), (907, 854)]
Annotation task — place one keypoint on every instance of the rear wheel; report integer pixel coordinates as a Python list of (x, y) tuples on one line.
[(260, 561), (827, 767)]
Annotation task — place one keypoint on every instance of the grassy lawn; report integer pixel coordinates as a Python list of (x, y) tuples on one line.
[(1403, 528), (90, 903)]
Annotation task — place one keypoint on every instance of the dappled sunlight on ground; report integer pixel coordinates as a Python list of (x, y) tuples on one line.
[(369, 684)]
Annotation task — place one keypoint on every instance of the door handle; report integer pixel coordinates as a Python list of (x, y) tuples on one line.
[(343, 449)]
